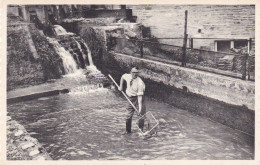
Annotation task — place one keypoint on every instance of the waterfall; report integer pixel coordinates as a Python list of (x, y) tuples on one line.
[(88, 50), (80, 49), (61, 31), (89, 55), (69, 64)]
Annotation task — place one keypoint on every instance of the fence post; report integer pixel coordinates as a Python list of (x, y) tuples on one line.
[(141, 44), (249, 44), (248, 69), (244, 71), (191, 43), (183, 63), (141, 48), (248, 60)]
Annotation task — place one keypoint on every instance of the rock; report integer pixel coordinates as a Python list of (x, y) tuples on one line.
[(19, 133), (34, 152), (27, 145)]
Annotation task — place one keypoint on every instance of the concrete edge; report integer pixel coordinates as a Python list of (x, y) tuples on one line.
[(36, 95)]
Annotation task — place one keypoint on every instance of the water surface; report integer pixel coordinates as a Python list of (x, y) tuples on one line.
[(88, 125)]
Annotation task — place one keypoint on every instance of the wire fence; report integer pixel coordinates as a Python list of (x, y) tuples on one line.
[(225, 63)]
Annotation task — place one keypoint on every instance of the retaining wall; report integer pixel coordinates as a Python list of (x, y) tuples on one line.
[(21, 146), (229, 101)]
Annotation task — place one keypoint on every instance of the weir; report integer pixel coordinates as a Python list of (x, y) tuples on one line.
[(74, 50)]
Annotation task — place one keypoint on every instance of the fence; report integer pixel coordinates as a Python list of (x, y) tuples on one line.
[(229, 64)]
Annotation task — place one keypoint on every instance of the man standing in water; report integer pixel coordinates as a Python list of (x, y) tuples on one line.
[(135, 91)]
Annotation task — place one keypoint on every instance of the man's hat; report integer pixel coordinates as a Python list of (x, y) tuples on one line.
[(134, 70)]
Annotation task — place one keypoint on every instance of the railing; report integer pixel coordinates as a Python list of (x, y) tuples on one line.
[(229, 64)]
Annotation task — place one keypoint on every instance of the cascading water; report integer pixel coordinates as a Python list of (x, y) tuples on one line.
[(73, 74), (61, 31), (91, 68), (88, 50), (80, 49), (89, 55), (69, 64)]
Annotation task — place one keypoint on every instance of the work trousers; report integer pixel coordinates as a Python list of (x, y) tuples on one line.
[(130, 113)]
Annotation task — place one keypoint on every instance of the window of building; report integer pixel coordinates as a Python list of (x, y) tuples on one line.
[(223, 46), (226, 45), (240, 43)]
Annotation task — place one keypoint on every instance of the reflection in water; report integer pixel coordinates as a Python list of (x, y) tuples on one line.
[(87, 125)]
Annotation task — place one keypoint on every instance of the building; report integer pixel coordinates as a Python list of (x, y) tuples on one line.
[(212, 27)]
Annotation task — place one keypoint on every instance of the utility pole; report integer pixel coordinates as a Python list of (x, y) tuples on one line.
[(183, 63)]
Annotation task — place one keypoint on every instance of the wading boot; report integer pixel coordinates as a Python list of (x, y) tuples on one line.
[(141, 124), (128, 126)]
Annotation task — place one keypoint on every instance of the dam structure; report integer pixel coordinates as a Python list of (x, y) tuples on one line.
[(200, 83)]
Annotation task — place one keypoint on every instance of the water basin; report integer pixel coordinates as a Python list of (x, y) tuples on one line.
[(88, 125)]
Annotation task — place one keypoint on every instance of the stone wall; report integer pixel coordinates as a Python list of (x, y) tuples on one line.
[(214, 21), (226, 100), (21, 146)]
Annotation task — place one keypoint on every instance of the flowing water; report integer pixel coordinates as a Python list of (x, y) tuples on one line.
[(88, 50), (61, 31), (87, 124), (89, 55), (69, 64), (80, 49)]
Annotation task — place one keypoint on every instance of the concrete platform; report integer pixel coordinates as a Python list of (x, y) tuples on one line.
[(51, 88)]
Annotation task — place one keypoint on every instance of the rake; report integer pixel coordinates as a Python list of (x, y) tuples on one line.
[(150, 122)]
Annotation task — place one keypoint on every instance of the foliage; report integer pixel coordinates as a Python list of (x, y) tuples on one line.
[(22, 68), (50, 60)]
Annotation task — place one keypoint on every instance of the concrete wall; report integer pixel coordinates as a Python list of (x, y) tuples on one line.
[(215, 21), (226, 100)]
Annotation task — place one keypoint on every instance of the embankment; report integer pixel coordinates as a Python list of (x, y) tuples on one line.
[(30, 58), (21, 146)]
